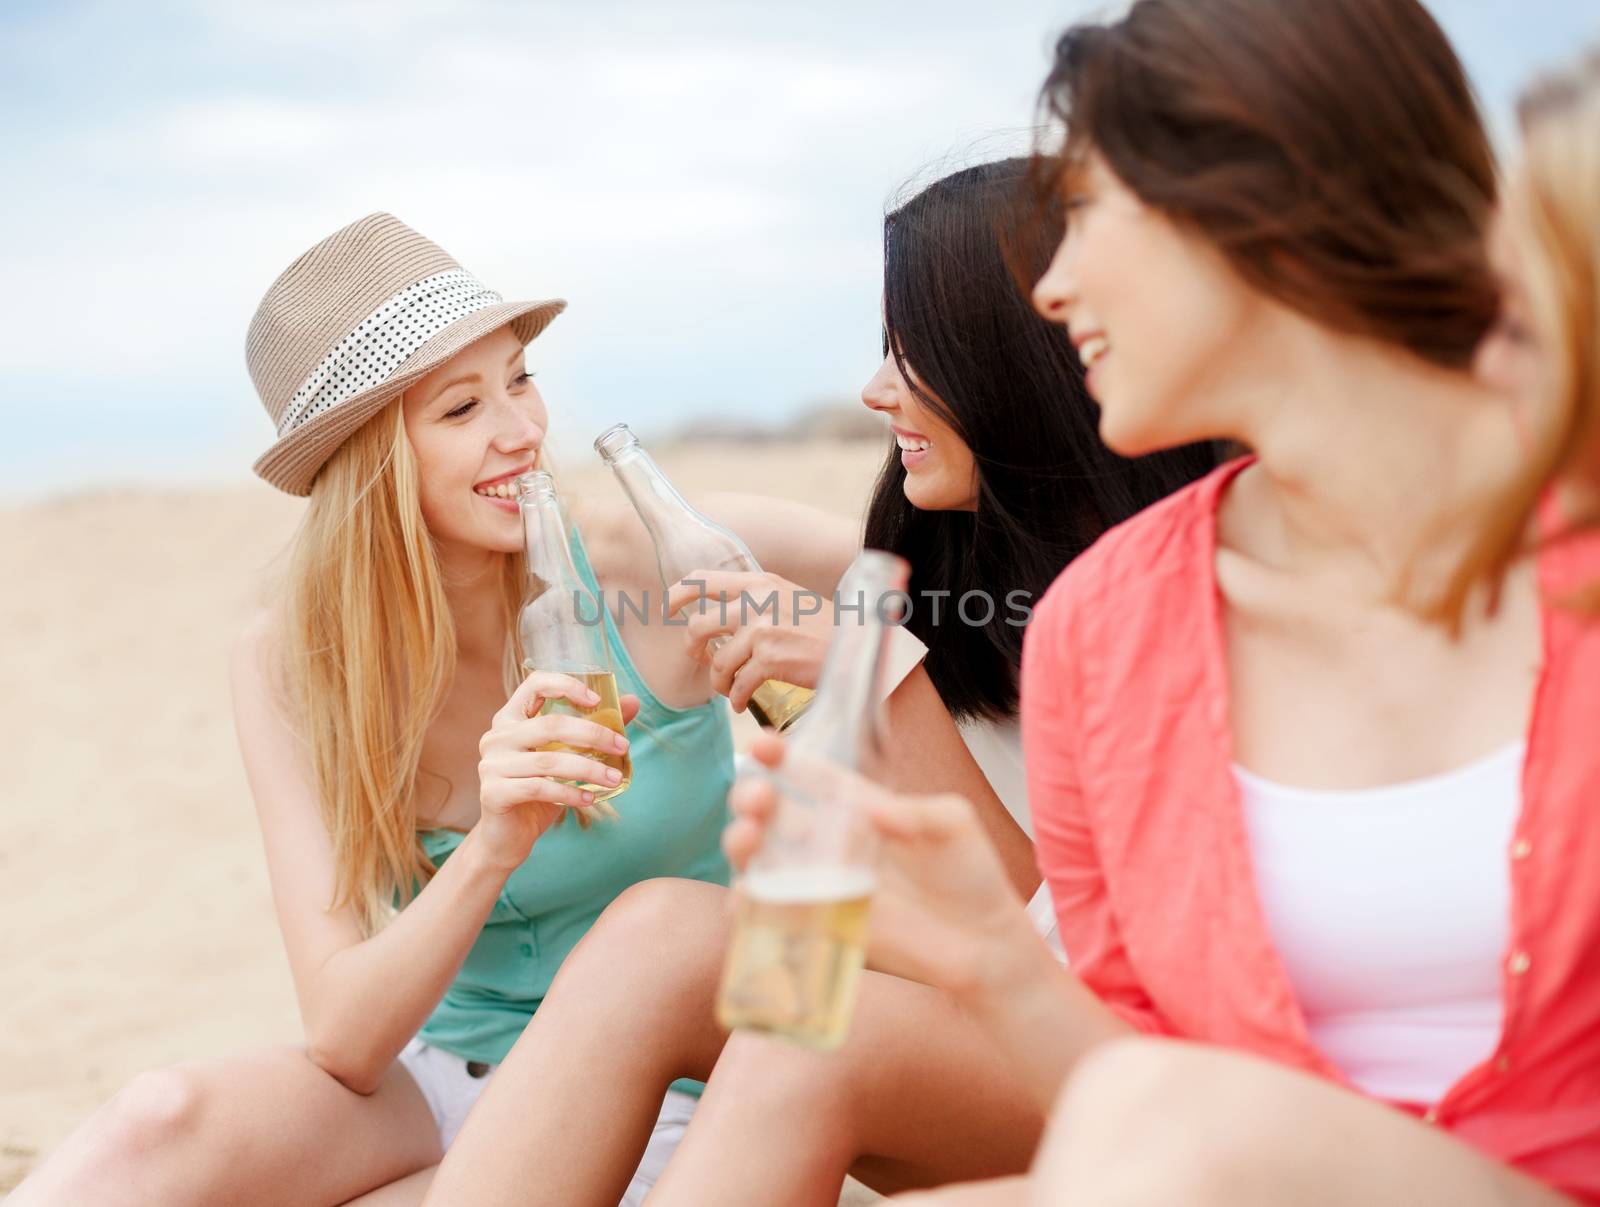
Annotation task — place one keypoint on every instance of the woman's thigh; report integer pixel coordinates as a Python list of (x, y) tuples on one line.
[(916, 1096), (1154, 1122), (266, 1127), (1001, 1192), (934, 1100), (407, 1192), (576, 1104)]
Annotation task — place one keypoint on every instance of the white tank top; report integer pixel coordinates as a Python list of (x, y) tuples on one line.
[(1390, 910)]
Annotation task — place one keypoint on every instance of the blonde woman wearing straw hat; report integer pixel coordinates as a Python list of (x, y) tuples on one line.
[(389, 766)]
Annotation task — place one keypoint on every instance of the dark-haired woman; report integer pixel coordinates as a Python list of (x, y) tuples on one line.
[(1355, 856), (998, 481)]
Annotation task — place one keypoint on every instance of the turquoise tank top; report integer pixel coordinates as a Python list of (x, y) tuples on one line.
[(671, 823)]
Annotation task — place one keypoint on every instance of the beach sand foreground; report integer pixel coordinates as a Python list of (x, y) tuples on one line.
[(138, 923)]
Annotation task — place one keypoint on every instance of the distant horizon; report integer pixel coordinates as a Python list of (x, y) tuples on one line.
[(168, 463), (704, 181)]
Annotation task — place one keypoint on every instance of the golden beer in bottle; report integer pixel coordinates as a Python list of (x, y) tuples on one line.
[(799, 934), (797, 951), (777, 704), (608, 713), (687, 541), (562, 629)]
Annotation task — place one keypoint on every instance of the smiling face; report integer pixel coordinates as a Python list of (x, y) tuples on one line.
[(1159, 319), (475, 423), (941, 474)]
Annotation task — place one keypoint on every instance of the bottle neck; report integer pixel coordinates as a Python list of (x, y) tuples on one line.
[(649, 490), (684, 539), (843, 724), (544, 535), (561, 626)]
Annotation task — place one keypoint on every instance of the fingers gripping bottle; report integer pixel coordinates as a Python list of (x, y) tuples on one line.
[(799, 933), (563, 630), (687, 541)]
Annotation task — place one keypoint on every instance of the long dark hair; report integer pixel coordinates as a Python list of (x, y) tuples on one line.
[(1008, 383)]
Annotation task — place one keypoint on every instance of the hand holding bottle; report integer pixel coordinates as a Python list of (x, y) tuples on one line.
[(768, 629), (523, 786), (684, 539), (944, 911)]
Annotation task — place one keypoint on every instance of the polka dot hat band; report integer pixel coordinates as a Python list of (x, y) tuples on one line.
[(352, 323)]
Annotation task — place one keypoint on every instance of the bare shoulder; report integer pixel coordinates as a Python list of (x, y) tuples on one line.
[(276, 760), (259, 642), (257, 668)]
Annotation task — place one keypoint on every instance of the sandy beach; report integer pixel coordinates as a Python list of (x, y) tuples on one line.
[(138, 925)]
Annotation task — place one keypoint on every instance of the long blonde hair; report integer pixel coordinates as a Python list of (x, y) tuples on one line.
[(1554, 215), (370, 651)]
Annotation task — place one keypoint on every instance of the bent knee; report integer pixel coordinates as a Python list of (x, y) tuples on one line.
[(657, 927), (155, 1110), (1142, 1087), (654, 913), (1204, 1119), (1127, 1075)]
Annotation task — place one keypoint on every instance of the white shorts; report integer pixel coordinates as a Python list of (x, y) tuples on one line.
[(450, 1091)]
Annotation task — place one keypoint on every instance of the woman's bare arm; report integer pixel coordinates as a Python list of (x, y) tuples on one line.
[(804, 544), (361, 999), (927, 754)]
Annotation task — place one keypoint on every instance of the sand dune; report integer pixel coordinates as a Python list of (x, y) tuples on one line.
[(138, 927)]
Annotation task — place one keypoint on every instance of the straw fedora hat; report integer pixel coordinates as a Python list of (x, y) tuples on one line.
[(353, 322)]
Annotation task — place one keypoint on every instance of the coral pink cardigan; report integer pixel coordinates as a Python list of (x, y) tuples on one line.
[(1141, 835)]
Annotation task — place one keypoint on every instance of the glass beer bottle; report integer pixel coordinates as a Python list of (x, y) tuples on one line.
[(687, 541), (799, 933), (563, 629)]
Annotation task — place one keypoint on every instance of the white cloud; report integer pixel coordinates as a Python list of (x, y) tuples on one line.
[(249, 129), (704, 180)]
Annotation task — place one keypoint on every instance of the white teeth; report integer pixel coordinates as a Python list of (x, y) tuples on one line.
[(910, 445), (506, 488), (1092, 349)]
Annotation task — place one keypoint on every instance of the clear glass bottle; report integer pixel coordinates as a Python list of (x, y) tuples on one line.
[(562, 627), (800, 930), (687, 541)]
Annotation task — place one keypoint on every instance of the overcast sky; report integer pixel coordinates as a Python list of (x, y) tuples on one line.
[(704, 182)]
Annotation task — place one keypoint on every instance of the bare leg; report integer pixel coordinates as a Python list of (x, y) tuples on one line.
[(1212, 1127), (917, 1096), (565, 1119), (407, 1192), (1000, 1192), (263, 1128)]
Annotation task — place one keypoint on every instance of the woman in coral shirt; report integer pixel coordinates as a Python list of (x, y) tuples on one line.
[(1354, 853)]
